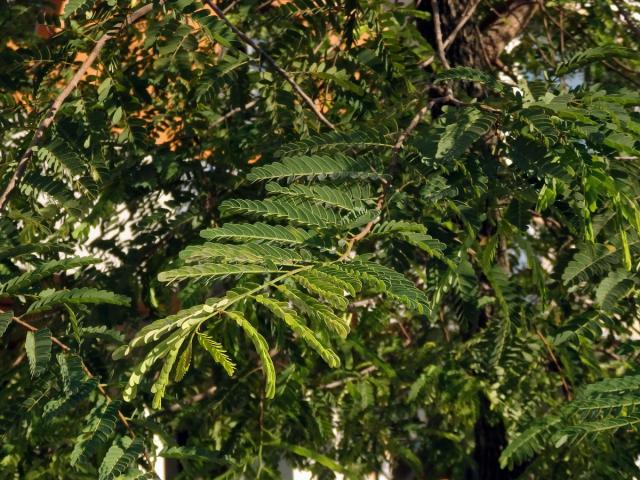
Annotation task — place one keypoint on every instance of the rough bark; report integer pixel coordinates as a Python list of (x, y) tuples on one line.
[(482, 39)]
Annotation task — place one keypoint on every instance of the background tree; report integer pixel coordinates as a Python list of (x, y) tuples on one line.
[(359, 236)]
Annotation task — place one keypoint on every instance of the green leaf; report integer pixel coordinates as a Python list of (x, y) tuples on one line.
[(60, 406), (45, 270), (160, 385), (302, 212), (529, 442), (102, 425), (258, 232), (212, 270), (5, 321), (72, 372), (184, 362), (159, 351), (246, 253), (613, 288), (317, 457), (189, 453), (349, 199), (309, 166), (316, 310), (152, 332), (390, 282), (459, 136), (217, 352), (50, 299), (590, 260), (73, 6), (20, 250), (426, 243), (609, 386), (316, 283), (360, 137), (38, 347), (119, 457)]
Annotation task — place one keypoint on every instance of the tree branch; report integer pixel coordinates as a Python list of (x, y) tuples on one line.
[(466, 16), (232, 112), (50, 114), (246, 39), (565, 385), (437, 27)]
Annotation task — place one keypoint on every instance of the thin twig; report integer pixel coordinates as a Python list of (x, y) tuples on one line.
[(337, 383), (561, 33), (50, 114), (198, 397), (549, 60), (437, 27), (565, 385), (621, 72), (246, 39), (412, 126), (366, 229), (31, 328), (232, 112), (419, 115)]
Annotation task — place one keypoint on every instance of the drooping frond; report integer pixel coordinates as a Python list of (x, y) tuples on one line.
[(316, 310), (261, 347), (159, 351), (528, 443), (282, 311), (390, 282)]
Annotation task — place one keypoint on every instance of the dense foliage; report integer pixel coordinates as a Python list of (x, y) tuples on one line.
[(361, 236)]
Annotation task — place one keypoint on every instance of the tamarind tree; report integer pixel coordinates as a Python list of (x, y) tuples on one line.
[(359, 237)]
